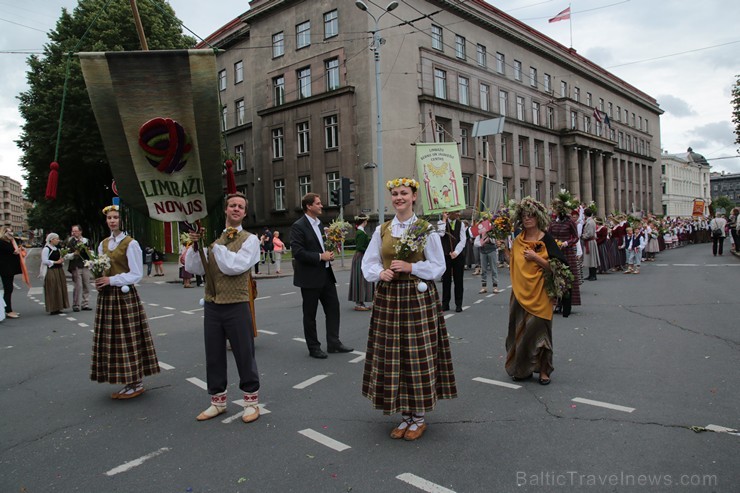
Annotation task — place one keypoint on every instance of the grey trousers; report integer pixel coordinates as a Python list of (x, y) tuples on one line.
[(81, 283)]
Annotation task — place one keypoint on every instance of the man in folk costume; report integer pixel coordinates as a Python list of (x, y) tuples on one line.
[(80, 274), (227, 316), (454, 238), (590, 248)]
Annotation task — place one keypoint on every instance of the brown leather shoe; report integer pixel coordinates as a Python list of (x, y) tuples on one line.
[(250, 415), (123, 395), (211, 413), (411, 435), (398, 433)]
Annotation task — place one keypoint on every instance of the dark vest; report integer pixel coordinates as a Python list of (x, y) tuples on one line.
[(451, 237)]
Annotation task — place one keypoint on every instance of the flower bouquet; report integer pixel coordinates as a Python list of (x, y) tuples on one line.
[(413, 240), (335, 235), (558, 280), (98, 265), (501, 226), (185, 239)]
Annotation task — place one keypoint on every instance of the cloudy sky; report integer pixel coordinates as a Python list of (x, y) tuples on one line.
[(682, 52)]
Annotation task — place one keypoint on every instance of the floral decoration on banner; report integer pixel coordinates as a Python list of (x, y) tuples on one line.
[(185, 239), (335, 235), (230, 233), (402, 182), (98, 265), (558, 280), (414, 239)]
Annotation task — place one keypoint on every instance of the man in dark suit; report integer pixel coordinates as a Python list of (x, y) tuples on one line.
[(454, 237), (312, 273)]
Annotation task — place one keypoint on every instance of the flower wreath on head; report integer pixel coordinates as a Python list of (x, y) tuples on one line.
[(532, 207), (109, 208), (402, 182)]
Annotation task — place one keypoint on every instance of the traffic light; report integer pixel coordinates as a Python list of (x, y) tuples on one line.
[(336, 196), (347, 190)]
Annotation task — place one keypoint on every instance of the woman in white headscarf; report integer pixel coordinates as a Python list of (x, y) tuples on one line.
[(56, 297)]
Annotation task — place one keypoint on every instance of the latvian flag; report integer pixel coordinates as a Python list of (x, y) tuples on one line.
[(597, 116), (562, 16)]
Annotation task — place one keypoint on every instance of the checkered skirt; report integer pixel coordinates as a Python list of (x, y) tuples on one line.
[(123, 349), (408, 364)]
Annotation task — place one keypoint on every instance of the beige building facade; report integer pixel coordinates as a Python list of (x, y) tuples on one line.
[(297, 85), (684, 178), (12, 209)]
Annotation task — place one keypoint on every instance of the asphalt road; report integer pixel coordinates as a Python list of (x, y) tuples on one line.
[(642, 361)]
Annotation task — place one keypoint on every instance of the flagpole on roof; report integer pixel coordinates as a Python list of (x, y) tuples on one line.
[(570, 24)]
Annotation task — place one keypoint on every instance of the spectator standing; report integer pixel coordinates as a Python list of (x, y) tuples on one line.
[(78, 255)]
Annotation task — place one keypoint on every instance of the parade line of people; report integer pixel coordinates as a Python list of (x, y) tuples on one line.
[(408, 365)]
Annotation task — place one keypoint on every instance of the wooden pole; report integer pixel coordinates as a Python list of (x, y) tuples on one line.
[(139, 27)]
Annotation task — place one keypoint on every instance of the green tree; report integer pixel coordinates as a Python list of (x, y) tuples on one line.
[(736, 108), (84, 174), (723, 202)]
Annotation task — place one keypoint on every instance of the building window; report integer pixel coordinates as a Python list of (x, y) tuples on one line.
[(224, 115), (610, 107), (440, 83), (466, 189), (240, 112), (577, 94), (303, 138), (586, 124), (481, 55), (620, 144), (589, 99), (238, 72), (640, 121), (440, 131), (459, 47), (500, 63), (573, 120), (279, 195), (519, 108), (518, 70), (463, 85), (278, 143), (506, 190), (332, 74), (532, 76), (538, 191), (331, 132), (304, 185), (563, 89), (222, 80), (601, 104), (535, 113), (464, 144), (239, 163), (278, 44), (550, 117), (333, 182), (548, 83), (503, 102), (520, 150), (437, 43), (646, 126), (523, 186), (484, 90), (484, 149), (633, 121), (626, 117), (504, 149), (278, 90), (331, 24), (303, 35), (304, 83), (619, 112)]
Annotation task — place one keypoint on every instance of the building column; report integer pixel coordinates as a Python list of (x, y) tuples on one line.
[(494, 147), (608, 162), (599, 179), (547, 165), (516, 165), (618, 162), (633, 185), (532, 168), (574, 177), (586, 180)]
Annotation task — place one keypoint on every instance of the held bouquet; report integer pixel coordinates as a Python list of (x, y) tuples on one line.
[(501, 226), (413, 240), (558, 280), (98, 265), (335, 234), (185, 239)]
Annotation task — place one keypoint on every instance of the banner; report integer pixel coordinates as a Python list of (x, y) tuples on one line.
[(438, 165), (698, 208), (489, 194), (158, 116)]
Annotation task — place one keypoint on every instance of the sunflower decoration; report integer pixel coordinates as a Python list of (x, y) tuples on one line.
[(402, 182), (532, 207)]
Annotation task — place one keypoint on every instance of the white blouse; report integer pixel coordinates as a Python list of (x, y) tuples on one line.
[(134, 257), (230, 263)]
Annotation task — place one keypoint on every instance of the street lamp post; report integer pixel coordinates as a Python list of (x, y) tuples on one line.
[(377, 41)]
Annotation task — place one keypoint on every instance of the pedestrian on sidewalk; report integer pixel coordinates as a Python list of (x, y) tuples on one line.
[(360, 289), (717, 227), (56, 297), (488, 250), (279, 249), (158, 260), (10, 266), (78, 255)]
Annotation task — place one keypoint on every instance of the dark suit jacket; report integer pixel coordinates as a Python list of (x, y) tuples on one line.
[(309, 271)]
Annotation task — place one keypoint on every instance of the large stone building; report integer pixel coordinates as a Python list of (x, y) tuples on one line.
[(726, 185), (297, 85), (684, 178), (12, 210)]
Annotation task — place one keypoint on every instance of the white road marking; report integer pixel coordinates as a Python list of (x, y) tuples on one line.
[(478, 301), (35, 291), (82, 324), (159, 282), (71, 319), (686, 265), (162, 316), (422, 483), (465, 308), (324, 440), (239, 415), (299, 339), (263, 298), (361, 357), (449, 315), (153, 304), (497, 382), (168, 308), (165, 366), (8, 347), (604, 404), (310, 381), (62, 314), (722, 429), (136, 462), (268, 332), (286, 294), (489, 295), (198, 382)]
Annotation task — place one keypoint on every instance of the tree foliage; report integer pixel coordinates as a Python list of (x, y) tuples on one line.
[(84, 174), (736, 109)]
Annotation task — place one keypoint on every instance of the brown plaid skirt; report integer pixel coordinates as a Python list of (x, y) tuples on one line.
[(529, 342), (408, 364), (123, 349)]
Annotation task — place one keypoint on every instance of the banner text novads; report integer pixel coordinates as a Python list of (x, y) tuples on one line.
[(577, 478)]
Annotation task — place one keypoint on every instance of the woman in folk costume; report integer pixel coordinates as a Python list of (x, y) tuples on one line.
[(123, 349), (590, 248), (56, 297), (360, 290), (408, 364), (602, 236), (11, 256), (564, 230), (529, 340), (651, 235)]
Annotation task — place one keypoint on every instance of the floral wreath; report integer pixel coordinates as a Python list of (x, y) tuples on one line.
[(402, 182), (109, 208), (532, 207)]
